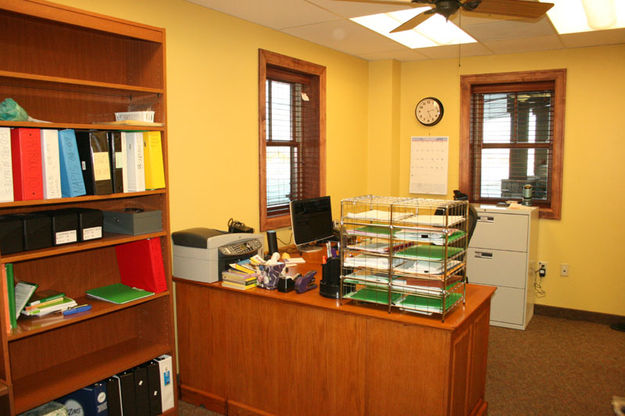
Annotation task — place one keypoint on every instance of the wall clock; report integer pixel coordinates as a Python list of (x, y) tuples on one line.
[(429, 111)]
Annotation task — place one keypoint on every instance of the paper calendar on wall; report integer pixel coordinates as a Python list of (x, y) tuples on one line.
[(428, 165)]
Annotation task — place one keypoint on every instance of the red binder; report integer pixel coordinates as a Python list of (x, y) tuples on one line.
[(26, 158), (141, 265)]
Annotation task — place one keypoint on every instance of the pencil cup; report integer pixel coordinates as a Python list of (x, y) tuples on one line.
[(330, 278), (269, 275)]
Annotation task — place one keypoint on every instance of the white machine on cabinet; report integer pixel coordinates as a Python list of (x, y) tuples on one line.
[(502, 253)]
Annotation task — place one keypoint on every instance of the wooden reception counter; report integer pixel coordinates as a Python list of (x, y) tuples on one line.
[(260, 352)]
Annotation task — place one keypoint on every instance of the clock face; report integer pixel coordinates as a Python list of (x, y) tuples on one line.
[(429, 111)]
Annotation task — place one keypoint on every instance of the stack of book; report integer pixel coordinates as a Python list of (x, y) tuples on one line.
[(47, 302), (241, 275)]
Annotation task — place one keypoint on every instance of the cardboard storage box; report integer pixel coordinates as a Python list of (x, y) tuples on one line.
[(133, 221)]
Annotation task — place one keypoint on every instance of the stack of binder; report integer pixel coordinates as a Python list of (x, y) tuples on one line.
[(144, 390), (49, 163)]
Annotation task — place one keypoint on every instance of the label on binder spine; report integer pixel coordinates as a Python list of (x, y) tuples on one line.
[(91, 233), (65, 237)]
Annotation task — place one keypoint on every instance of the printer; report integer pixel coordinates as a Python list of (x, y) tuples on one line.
[(201, 254)]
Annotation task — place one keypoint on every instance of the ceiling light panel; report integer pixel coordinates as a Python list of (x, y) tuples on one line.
[(435, 31), (569, 16)]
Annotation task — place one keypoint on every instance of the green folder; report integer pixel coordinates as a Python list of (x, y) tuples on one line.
[(429, 252), (118, 293), (430, 304), (372, 231), (372, 295)]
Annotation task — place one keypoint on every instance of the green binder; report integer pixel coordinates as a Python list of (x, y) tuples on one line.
[(11, 294), (118, 293)]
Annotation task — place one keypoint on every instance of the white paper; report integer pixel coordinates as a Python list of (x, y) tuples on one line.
[(429, 158), (23, 292)]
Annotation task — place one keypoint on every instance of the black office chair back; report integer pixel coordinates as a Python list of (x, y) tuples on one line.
[(472, 222), (472, 219)]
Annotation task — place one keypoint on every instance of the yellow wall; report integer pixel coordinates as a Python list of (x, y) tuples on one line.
[(383, 121), (588, 235), (212, 105), (212, 85)]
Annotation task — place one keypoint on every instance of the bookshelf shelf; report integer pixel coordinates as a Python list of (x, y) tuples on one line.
[(82, 126), (106, 241), (56, 380), (75, 69), (34, 326), (80, 199), (27, 80)]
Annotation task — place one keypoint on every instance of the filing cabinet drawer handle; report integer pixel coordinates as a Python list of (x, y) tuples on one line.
[(483, 255), (485, 218)]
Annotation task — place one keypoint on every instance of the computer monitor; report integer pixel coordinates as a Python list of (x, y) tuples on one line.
[(311, 221)]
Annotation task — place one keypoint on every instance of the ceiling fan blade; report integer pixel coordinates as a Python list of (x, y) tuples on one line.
[(391, 2), (412, 23), (513, 8)]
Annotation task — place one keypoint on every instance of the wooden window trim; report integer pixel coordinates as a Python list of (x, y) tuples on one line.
[(278, 61), (558, 77)]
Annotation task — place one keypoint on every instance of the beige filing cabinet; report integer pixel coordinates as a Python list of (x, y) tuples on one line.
[(502, 253)]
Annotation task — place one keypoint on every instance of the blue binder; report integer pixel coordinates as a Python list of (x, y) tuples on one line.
[(88, 401), (72, 182)]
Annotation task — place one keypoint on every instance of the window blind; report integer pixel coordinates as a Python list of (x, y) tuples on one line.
[(292, 139), (511, 141)]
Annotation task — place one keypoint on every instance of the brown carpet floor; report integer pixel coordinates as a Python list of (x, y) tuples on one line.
[(555, 367)]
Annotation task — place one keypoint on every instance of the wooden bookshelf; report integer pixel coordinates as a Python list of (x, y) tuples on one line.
[(75, 69)]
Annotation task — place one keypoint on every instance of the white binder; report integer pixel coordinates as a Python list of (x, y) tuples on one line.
[(6, 166), (167, 382), (135, 161), (50, 163)]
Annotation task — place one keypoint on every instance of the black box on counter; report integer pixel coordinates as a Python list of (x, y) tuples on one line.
[(133, 221)]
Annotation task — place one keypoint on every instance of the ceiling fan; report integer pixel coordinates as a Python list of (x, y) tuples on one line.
[(523, 9)]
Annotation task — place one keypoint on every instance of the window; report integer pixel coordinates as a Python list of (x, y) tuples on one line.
[(291, 135), (512, 132)]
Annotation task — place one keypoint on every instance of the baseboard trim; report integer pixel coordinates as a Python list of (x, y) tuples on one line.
[(201, 398), (577, 315)]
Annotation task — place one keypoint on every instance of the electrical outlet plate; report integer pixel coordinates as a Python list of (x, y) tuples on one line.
[(564, 269), (542, 264)]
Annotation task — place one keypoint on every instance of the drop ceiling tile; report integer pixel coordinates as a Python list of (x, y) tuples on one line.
[(452, 51), (585, 39), (344, 36), (528, 44), (404, 55), (276, 14), (349, 9)]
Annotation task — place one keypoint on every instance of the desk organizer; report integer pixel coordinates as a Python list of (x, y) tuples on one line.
[(407, 254)]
